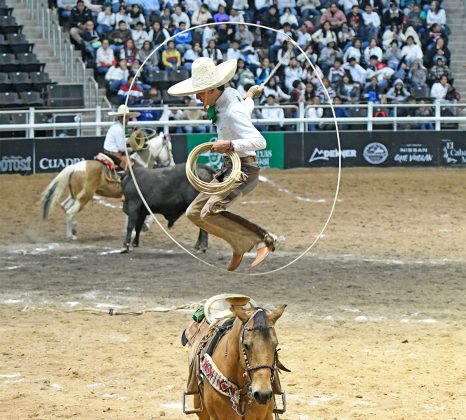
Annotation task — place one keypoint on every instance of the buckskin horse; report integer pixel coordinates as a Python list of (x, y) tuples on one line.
[(89, 177), (239, 380)]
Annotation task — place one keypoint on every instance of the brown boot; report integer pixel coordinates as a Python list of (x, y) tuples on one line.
[(235, 262)]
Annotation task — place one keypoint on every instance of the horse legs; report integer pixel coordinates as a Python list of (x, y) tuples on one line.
[(70, 218), (202, 241)]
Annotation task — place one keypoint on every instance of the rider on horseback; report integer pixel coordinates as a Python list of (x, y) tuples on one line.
[(114, 144)]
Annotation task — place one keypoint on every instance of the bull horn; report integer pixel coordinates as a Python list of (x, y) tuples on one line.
[(137, 140)]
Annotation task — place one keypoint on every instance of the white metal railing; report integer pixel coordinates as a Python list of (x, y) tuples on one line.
[(64, 50), (93, 120)]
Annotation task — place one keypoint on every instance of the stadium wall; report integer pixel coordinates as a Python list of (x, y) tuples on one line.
[(284, 150)]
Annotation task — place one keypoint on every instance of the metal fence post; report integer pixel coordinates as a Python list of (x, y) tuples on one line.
[(98, 120), (370, 113), (437, 116), (31, 121)]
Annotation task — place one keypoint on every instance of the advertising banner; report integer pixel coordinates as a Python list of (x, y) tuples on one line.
[(270, 157), (52, 155), (17, 156), (453, 149)]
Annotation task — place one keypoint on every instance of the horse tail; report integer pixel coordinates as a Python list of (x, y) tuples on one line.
[(54, 190)]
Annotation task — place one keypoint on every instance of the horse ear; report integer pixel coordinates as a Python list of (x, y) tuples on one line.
[(240, 313), (277, 313)]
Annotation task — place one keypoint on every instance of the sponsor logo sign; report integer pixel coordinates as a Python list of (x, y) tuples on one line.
[(46, 163), (327, 154), (452, 153), (413, 153), (375, 153), (12, 164)]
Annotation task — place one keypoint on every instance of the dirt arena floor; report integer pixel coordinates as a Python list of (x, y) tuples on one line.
[(375, 325)]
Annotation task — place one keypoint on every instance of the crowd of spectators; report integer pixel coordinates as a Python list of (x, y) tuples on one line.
[(376, 51)]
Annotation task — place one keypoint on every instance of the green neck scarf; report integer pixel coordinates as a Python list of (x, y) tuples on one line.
[(212, 114)]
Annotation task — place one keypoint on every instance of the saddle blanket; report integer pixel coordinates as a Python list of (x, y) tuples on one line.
[(105, 160)]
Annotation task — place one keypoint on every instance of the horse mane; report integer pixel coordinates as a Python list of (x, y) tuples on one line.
[(261, 322)]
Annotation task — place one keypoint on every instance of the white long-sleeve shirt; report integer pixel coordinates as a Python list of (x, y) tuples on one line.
[(115, 138), (234, 123), (439, 17), (371, 18), (412, 52), (105, 57), (438, 91), (273, 112), (358, 74)]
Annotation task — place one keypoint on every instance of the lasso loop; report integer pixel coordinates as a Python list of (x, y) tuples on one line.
[(210, 188), (337, 189)]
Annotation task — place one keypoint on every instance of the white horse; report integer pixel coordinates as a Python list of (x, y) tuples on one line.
[(89, 177)]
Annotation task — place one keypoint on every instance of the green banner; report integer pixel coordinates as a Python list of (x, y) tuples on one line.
[(271, 157)]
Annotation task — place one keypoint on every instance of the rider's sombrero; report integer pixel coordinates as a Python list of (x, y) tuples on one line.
[(205, 76), (219, 306), (122, 111)]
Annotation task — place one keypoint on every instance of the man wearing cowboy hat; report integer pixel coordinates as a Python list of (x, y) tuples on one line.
[(115, 140), (232, 116)]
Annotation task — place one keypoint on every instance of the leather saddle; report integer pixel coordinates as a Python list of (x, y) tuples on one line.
[(111, 168)]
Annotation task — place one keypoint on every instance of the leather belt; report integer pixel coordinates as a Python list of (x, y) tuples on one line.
[(245, 159)]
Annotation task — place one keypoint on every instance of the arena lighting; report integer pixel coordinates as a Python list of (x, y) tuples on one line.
[(337, 189)]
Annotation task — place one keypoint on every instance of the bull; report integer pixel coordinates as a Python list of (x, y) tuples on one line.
[(167, 191)]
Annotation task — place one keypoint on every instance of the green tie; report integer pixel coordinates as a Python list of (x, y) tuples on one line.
[(212, 114)]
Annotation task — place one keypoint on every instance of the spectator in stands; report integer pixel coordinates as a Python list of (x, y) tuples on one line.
[(371, 50), (119, 37), (190, 55), (139, 35), (393, 56), (391, 34), (360, 32), (64, 10), (397, 93), (105, 58), (79, 16), (325, 34), (272, 20), (312, 76), (416, 18), (377, 6), (171, 57), (234, 52), (193, 115), (283, 4), (122, 15), (353, 51), (437, 15), (336, 73), (411, 51), (201, 16), (373, 91), (440, 89), (314, 112), (105, 20), (348, 91), (152, 64), (166, 18), (439, 50), (180, 16), (358, 74), (272, 112), (417, 75), (340, 112), (190, 6), (309, 92), (309, 8), (117, 75), (244, 36), (328, 55), (439, 70), (333, 15), (129, 53), (183, 40), (221, 15), (354, 15), (405, 32), (289, 17), (158, 34), (425, 111), (209, 33), (244, 78), (393, 15), (224, 37), (328, 94), (303, 37), (136, 16), (151, 10), (292, 72), (262, 5), (273, 88), (213, 52), (134, 93), (380, 70), (371, 21), (263, 71), (346, 37), (308, 53), (90, 39), (297, 92)]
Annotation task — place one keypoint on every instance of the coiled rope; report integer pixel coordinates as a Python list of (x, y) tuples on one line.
[(223, 187)]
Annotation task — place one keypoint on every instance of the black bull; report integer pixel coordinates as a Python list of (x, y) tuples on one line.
[(167, 191)]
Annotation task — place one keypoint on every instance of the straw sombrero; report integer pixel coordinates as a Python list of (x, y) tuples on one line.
[(219, 306), (205, 76), (122, 111)]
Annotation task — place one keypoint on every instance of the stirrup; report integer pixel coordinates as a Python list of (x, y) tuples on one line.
[(194, 410)]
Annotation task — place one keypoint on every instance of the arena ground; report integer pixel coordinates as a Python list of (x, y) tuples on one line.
[(375, 325)]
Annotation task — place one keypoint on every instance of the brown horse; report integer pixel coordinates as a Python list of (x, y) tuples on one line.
[(88, 177), (246, 357)]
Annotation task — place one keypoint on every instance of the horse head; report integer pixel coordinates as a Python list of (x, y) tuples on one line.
[(258, 344), (160, 151)]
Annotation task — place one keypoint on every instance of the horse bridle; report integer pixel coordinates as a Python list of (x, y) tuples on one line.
[(249, 368)]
